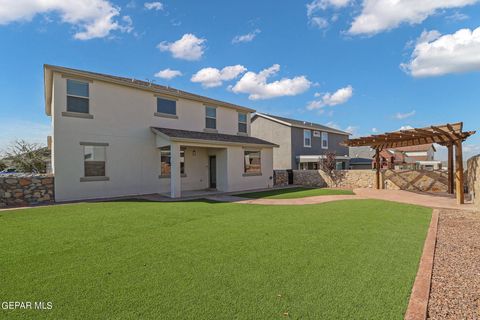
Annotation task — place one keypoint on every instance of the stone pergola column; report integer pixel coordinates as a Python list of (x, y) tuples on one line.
[(175, 176)]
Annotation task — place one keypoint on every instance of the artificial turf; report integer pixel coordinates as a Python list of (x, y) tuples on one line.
[(297, 192), (352, 259)]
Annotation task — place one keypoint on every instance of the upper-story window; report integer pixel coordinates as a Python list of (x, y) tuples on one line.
[(166, 107), (307, 138), (324, 140), (210, 117), (242, 122), (77, 96)]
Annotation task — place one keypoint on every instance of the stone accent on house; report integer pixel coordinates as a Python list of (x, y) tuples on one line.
[(280, 178), (24, 190), (473, 179), (429, 181)]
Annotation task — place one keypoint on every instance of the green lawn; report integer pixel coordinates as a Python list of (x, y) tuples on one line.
[(198, 260), (291, 193)]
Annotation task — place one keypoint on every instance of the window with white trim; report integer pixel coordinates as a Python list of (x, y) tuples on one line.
[(210, 117), (78, 96), (252, 162), (94, 158), (307, 138), (324, 140), (165, 161), (242, 122)]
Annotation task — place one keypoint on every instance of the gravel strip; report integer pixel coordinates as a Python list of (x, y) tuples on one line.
[(455, 291)]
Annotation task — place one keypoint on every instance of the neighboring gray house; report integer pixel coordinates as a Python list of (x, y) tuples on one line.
[(361, 158), (302, 144)]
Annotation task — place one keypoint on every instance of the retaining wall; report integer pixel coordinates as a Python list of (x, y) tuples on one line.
[(427, 181), (24, 190)]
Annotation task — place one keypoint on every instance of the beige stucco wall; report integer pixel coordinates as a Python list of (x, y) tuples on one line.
[(122, 118), (278, 134)]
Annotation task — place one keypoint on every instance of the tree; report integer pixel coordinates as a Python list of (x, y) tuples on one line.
[(27, 157), (329, 163), (3, 166)]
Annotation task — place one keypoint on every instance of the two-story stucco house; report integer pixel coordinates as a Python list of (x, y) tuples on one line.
[(302, 144), (115, 136)]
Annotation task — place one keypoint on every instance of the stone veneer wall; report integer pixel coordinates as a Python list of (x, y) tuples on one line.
[(431, 181), (473, 179), (24, 190), (280, 178), (347, 179)]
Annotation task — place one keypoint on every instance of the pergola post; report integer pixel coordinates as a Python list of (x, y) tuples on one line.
[(459, 172), (450, 169), (377, 168)]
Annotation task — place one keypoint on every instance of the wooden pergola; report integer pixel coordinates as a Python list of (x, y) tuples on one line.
[(449, 135)]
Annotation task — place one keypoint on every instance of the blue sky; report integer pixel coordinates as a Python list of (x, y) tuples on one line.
[(363, 65)]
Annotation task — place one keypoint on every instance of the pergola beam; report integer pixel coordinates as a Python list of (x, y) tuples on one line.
[(449, 135)]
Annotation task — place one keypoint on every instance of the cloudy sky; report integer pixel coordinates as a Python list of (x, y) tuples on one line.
[(366, 66)]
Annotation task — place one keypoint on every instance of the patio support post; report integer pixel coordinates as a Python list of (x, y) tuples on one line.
[(459, 172), (450, 169), (377, 167), (175, 176)]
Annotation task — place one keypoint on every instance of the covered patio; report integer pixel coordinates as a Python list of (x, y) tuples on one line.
[(450, 135)]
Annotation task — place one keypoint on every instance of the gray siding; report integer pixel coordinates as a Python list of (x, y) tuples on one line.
[(334, 141)]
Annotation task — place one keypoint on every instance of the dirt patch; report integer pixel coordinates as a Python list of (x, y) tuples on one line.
[(455, 291)]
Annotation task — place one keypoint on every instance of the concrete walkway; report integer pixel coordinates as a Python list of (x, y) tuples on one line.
[(441, 201)]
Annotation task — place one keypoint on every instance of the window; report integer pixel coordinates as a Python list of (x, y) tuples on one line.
[(252, 162), (165, 164), (324, 140), (308, 165), (307, 138), (165, 106), (211, 118), (94, 158), (77, 96), (242, 122)]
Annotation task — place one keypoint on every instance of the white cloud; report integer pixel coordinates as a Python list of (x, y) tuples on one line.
[(331, 99), (351, 129), (213, 77), (157, 6), (436, 55), (246, 37), (401, 116), (321, 5), (374, 130), (318, 5), (406, 127), (91, 18), (189, 47), (382, 15), (256, 85), (168, 74), (319, 22), (457, 16)]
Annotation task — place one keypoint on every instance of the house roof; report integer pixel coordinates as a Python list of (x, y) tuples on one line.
[(186, 135), (300, 123), (129, 82)]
